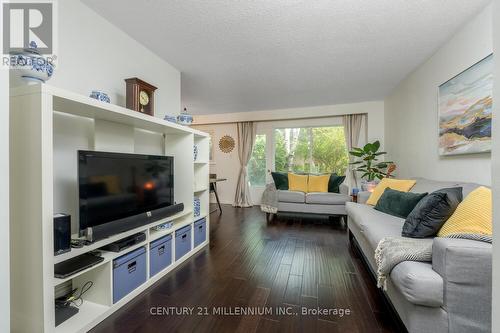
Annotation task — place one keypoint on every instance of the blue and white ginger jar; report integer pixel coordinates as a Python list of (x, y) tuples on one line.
[(184, 118), (32, 66)]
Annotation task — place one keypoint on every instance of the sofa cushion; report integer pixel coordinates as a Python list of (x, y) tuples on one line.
[(280, 180), (335, 182), (418, 283), (290, 207), (398, 203), (291, 196), (472, 216), (327, 198), (318, 183), (297, 182), (403, 185), (431, 213), (373, 224), (429, 185), (381, 227)]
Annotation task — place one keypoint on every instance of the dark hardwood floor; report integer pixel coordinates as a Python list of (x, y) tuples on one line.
[(290, 264)]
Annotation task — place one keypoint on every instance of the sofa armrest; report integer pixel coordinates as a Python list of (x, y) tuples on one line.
[(363, 196), (465, 266), (344, 189)]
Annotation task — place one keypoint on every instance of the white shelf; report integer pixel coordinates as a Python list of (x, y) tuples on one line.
[(200, 189), (44, 169), (57, 281), (71, 103), (88, 312), (202, 215), (107, 255), (94, 246)]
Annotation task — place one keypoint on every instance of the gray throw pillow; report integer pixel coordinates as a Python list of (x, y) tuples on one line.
[(431, 213)]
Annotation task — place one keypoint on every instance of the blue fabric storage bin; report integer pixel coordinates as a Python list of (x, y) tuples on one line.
[(160, 254), (182, 242), (200, 231), (129, 272)]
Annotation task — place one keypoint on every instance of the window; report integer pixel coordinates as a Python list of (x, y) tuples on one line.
[(311, 149), (257, 163)]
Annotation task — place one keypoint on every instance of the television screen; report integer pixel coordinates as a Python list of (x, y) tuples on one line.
[(113, 186)]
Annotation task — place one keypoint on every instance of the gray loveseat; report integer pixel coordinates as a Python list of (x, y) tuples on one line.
[(314, 202), (451, 294)]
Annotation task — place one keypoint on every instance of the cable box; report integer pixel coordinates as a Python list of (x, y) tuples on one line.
[(125, 243)]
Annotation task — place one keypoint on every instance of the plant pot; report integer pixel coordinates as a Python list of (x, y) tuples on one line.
[(369, 185)]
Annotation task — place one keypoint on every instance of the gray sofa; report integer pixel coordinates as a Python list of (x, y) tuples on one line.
[(450, 294), (314, 202)]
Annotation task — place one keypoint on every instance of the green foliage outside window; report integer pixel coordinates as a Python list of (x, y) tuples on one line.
[(257, 164), (311, 150)]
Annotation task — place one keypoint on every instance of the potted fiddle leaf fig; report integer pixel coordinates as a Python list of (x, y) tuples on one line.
[(366, 162)]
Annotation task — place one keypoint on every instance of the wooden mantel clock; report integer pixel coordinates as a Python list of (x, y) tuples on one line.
[(140, 96)]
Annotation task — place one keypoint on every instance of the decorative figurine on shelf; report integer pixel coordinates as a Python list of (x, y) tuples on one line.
[(140, 96), (196, 207), (170, 118), (100, 96), (185, 118), (195, 152), (32, 66)]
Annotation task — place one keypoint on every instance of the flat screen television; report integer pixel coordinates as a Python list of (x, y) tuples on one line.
[(119, 192)]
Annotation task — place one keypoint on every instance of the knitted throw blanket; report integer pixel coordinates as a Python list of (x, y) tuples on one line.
[(393, 250), (269, 202)]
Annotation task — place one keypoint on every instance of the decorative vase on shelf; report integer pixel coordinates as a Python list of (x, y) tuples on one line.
[(369, 185), (195, 152), (185, 118), (196, 207), (100, 96), (171, 118), (31, 65)]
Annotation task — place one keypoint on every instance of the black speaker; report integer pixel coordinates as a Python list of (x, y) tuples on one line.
[(128, 223), (62, 233)]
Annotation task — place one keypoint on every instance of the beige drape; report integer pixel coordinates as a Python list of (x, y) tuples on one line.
[(246, 140), (352, 130)]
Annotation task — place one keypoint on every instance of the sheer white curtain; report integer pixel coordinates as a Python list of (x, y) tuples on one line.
[(246, 140), (352, 131)]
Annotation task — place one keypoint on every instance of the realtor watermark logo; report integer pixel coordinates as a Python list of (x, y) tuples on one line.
[(27, 22), (29, 35)]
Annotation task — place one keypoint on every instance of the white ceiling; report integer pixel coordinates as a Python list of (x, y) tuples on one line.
[(243, 55)]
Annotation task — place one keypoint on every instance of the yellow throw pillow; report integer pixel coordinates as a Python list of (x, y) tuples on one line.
[(318, 183), (403, 185), (472, 216), (297, 182)]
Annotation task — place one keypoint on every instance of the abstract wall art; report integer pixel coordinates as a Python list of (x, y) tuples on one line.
[(465, 110)]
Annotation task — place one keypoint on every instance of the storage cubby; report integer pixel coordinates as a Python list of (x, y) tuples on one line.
[(94, 303), (48, 127)]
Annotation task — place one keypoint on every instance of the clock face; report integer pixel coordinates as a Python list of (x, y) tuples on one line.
[(143, 98)]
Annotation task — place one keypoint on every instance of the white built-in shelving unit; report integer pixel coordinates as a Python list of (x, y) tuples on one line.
[(48, 126)]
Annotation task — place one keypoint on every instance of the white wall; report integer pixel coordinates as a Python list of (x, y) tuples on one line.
[(94, 54), (496, 172), (411, 127), (4, 201), (375, 111), (227, 165), (224, 165)]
